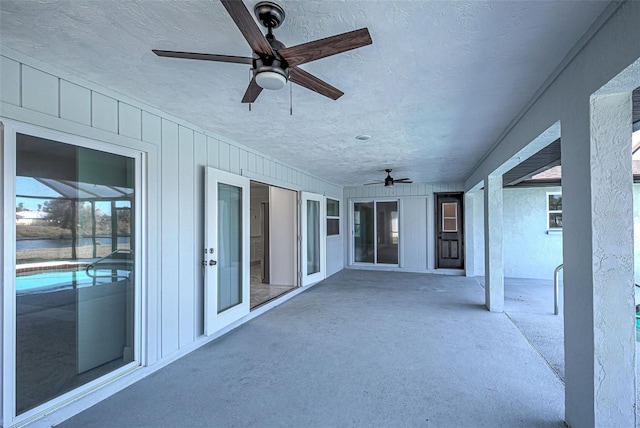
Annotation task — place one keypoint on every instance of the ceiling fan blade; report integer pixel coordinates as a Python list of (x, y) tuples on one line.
[(248, 27), (309, 81), (401, 179), (253, 90), (402, 182), (307, 52), (369, 184), (204, 57)]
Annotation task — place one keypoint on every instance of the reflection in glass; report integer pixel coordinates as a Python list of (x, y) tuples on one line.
[(555, 202), (313, 237), (74, 267), (363, 232), (555, 220), (333, 208), (229, 246), (387, 232)]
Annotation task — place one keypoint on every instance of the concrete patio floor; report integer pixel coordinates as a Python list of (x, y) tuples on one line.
[(361, 348), (529, 304)]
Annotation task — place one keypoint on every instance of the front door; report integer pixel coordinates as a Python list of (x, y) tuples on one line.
[(449, 233), (226, 258)]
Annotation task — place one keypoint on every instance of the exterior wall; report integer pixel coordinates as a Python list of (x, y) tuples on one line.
[(417, 221), (176, 155), (529, 251)]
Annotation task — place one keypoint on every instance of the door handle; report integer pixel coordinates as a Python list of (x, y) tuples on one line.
[(212, 262)]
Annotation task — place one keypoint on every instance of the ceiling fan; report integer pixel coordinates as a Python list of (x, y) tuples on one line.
[(273, 63), (390, 181)]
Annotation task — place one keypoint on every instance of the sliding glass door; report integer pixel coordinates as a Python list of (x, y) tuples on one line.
[(375, 232), (76, 280)]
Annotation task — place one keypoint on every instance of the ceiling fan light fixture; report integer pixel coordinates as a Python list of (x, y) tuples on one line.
[(270, 80)]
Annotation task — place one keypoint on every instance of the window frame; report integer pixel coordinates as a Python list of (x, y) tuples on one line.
[(550, 211), (9, 129), (333, 217)]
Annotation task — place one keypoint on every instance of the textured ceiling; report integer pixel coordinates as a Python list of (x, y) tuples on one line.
[(440, 83)]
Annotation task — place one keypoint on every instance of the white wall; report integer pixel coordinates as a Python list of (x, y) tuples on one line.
[(283, 230), (417, 223), (529, 252), (176, 154)]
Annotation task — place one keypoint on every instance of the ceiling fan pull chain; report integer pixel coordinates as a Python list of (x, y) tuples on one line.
[(250, 77), (290, 99)]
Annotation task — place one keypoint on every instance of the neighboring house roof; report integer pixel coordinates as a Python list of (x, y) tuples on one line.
[(31, 215), (543, 168)]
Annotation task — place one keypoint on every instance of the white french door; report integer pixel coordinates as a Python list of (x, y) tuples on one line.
[(313, 238), (226, 291)]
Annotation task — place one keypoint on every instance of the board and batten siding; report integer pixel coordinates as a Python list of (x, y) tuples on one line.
[(176, 154), (416, 221)]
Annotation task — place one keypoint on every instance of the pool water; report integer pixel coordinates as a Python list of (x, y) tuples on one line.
[(60, 280)]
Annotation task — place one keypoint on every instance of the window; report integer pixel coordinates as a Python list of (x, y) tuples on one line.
[(333, 217), (450, 217), (554, 211)]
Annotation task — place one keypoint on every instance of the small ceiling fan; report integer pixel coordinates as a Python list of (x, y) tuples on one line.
[(273, 63), (390, 181)]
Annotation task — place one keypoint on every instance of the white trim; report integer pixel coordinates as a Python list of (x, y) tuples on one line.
[(8, 142), (308, 279), (11, 128), (269, 181)]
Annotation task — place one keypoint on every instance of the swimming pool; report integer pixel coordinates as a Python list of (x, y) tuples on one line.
[(39, 282)]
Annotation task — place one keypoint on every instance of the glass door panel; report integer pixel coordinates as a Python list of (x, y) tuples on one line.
[(363, 232), (313, 238), (387, 232), (229, 246), (75, 288)]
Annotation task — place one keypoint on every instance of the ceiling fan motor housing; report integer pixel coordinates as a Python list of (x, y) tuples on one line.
[(269, 14)]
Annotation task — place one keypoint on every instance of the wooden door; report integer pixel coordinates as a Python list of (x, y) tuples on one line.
[(449, 233)]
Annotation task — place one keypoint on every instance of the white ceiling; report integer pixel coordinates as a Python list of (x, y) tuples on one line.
[(440, 83)]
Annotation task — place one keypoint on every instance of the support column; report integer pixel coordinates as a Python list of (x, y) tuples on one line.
[(469, 238), (493, 244), (599, 306)]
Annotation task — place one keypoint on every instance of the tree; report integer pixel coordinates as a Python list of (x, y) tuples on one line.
[(20, 207), (63, 213)]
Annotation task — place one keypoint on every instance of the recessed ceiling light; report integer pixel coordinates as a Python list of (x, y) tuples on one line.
[(363, 137)]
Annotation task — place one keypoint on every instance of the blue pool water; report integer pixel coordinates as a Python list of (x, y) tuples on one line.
[(60, 280)]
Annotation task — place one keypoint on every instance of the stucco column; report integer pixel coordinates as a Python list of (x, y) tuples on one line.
[(493, 244), (469, 253), (599, 307)]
